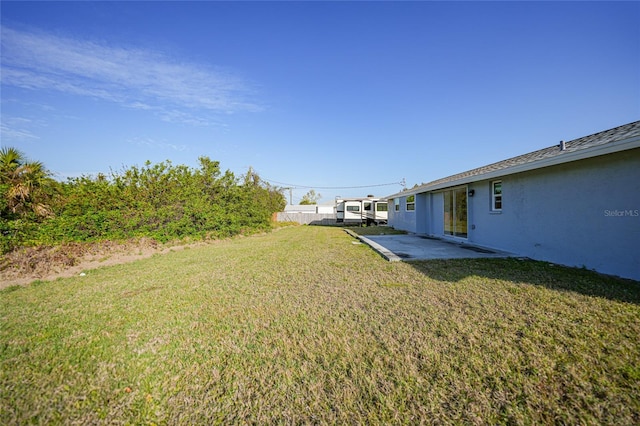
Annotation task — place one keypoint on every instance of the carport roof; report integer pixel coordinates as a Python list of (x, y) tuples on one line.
[(613, 140)]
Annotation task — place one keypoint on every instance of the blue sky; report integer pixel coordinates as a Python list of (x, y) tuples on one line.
[(331, 96)]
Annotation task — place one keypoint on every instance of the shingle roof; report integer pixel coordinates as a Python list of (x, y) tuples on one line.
[(544, 155)]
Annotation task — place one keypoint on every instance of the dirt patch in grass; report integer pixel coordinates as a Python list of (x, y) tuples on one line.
[(46, 263)]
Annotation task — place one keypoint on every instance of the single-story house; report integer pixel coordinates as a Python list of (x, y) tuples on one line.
[(576, 203)]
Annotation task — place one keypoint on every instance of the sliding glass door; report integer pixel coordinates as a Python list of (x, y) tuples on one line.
[(455, 212)]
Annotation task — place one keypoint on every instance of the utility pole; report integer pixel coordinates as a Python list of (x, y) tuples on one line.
[(290, 195)]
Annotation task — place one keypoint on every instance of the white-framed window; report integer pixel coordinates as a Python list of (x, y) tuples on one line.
[(496, 195), (381, 207), (411, 203), (353, 208), (396, 204)]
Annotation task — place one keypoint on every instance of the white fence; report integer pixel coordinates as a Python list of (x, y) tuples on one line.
[(307, 218)]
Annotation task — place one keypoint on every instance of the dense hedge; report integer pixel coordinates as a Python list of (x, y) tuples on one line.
[(161, 201)]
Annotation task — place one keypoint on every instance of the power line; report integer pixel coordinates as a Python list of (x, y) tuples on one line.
[(294, 186)]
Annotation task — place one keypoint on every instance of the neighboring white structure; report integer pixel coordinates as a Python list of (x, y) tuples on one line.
[(576, 204), (298, 208), (311, 208), (320, 214), (327, 208)]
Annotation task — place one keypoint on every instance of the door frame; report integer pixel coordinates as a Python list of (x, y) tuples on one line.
[(454, 207)]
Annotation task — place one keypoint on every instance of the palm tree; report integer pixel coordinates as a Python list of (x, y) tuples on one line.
[(21, 183)]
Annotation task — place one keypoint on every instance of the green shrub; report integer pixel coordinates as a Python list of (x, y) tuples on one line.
[(160, 201)]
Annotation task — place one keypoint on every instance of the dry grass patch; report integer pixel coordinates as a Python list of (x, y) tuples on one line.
[(46, 262), (301, 326)]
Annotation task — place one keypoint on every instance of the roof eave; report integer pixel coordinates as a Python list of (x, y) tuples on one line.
[(609, 148)]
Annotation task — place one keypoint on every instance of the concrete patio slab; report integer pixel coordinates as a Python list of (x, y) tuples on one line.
[(416, 247)]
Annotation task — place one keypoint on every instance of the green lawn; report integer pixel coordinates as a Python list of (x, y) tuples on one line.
[(303, 326)]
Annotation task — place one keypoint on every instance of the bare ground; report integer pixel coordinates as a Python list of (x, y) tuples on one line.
[(26, 265)]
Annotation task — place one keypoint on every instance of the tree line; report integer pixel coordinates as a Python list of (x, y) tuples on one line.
[(162, 201)]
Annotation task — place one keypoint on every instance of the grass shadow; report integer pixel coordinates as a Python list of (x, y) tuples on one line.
[(526, 271), (375, 230)]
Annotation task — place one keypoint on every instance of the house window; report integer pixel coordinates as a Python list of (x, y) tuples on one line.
[(411, 203), (396, 203), (496, 195)]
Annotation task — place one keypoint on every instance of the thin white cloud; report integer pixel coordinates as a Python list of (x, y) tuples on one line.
[(133, 77), (175, 115), (12, 133), (16, 129), (140, 105), (155, 144)]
